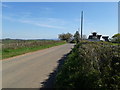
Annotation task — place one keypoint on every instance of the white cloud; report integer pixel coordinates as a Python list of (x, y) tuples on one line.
[(49, 26), (25, 14), (47, 23), (41, 24), (5, 6)]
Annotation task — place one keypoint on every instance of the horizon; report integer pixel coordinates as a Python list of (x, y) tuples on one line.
[(45, 20)]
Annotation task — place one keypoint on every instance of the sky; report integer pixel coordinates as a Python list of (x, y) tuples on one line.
[(60, 0), (45, 20)]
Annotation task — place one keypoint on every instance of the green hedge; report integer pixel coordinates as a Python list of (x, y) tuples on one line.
[(91, 65)]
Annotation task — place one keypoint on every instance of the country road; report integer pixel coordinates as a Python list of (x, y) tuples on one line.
[(32, 69)]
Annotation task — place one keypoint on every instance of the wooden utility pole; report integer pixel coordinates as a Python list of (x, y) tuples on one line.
[(81, 24)]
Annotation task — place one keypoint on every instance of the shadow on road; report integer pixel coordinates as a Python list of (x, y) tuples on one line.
[(49, 83)]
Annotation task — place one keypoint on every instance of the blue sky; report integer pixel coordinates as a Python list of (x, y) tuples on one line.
[(45, 20)]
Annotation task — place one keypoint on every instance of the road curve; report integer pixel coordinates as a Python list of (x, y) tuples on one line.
[(30, 70)]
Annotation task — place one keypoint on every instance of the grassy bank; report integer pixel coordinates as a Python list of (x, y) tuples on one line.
[(91, 65), (14, 49)]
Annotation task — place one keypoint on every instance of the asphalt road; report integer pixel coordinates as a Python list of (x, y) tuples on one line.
[(31, 69)]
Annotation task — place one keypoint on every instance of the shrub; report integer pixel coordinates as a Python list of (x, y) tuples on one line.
[(91, 65)]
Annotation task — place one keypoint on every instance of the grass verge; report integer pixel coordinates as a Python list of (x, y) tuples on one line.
[(14, 52)]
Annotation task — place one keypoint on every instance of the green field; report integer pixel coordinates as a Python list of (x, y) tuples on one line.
[(12, 48)]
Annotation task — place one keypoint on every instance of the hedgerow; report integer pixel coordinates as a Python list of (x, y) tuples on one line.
[(13, 47), (91, 65)]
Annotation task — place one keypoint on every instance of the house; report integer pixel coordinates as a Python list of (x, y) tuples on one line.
[(96, 37), (105, 38)]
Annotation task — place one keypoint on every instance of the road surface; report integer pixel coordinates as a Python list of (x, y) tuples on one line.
[(31, 69)]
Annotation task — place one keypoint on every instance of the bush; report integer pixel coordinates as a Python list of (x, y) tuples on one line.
[(91, 65)]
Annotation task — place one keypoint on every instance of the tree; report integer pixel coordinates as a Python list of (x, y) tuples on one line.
[(116, 35), (67, 37), (116, 38), (77, 37)]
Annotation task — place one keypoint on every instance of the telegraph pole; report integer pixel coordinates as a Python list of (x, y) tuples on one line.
[(81, 24)]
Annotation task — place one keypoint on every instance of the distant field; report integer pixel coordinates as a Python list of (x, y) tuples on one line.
[(12, 47)]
